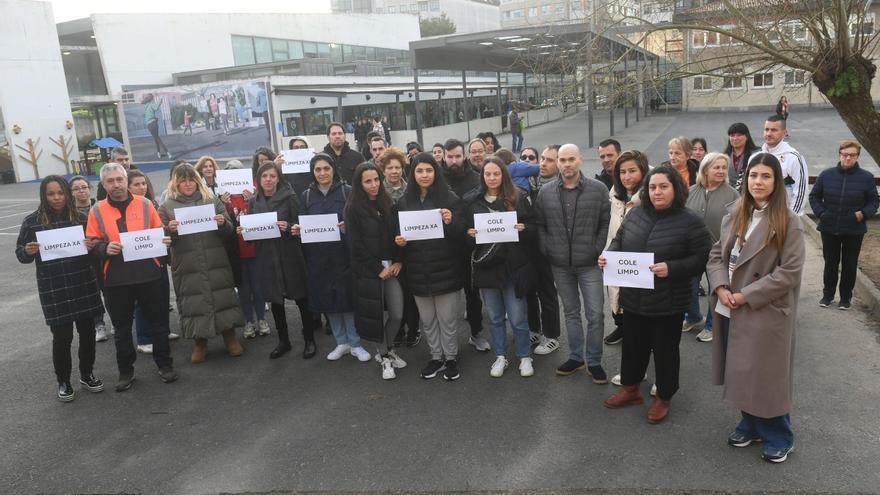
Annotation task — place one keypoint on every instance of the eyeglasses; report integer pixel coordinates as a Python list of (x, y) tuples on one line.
[(849, 155), (528, 157)]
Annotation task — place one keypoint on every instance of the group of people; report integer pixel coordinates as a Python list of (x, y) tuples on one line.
[(731, 215)]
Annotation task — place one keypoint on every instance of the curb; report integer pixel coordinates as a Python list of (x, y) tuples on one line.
[(865, 289)]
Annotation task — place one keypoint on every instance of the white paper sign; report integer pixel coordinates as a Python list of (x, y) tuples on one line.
[(297, 161), (496, 227), (195, 219), (628, 269), (319, 228), (419, 225), (143, 244), (62, 243), (235, 181), (722, 309), (259, 226)]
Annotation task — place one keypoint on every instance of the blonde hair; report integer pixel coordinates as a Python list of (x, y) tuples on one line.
[(708, 161), (850, 144), (682, 142), (206, 160), (186, 171)]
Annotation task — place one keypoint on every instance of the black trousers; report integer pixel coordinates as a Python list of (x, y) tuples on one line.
[(840, 251), (474, 304), (543, 303), (120, 304), (62, 339), (643, 335), (410, 312), (279, 314)]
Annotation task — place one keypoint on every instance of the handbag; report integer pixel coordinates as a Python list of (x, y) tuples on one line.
[(486, 254)]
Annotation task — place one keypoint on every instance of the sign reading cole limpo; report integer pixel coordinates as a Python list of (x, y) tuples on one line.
[(496, 227), (419, 225), (195, 219), (143, 244), (623, 269)]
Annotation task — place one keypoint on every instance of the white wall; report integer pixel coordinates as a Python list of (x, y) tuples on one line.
[(33, 91), (471, 17), (138, 49)]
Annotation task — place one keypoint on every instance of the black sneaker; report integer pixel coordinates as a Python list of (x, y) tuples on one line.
[(167, 374), (825, 302), (614, 337), (126, 378), (598, 375), (66, 392), (844, 304), (92, 384), (433, 367), (413, 339), (451, 373), (570, 367)]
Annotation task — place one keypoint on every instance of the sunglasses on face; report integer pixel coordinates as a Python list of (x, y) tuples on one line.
[(528, 157)]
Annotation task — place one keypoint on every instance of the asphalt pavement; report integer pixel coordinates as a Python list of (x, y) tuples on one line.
[(254, 425)]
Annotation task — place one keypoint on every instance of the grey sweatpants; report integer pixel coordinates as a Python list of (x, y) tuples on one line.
[(393, 294), (441, 315)]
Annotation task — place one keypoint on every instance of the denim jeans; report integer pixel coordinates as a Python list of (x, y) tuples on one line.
[(344, 332), (517, 141), (693, 313), (501, 302), (572, 284), (775, 433), (250, 298)]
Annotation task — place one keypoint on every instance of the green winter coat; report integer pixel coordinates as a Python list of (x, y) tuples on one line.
[(202, 277)]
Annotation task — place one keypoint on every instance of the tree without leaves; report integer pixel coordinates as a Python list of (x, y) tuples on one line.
[(436, 26)]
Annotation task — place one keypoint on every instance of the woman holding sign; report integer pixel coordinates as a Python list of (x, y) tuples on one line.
[(67, 286), (502, 270), (433, 266), (370, 228), (754, 274), (652, 318), (328, 263), (203, 280)]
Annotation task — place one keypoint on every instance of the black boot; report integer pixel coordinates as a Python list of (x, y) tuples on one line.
[(283, 346), (310, 349)]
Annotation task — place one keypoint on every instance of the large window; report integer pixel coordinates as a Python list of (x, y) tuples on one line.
[(279, 50), (702, 83), (732, 81), (243, 50), (533, 11), (249, 50), (296, 49), (795, 77), (762, 80), (263, 49)]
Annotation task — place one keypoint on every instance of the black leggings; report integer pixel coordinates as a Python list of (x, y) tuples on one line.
[(308, 320), (643, 335), (62, 339)]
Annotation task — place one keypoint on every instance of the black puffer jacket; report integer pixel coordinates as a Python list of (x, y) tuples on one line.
[(433, 267), (371, 238), (345, 162), (677, 237), (838, 194), (511, 263), (580, 248)]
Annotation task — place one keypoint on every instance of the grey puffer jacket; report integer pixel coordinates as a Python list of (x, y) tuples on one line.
[(580, 247), (202, 277)]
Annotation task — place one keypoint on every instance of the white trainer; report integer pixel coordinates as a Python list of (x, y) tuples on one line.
[(615, 380), (101, 333), (546, 346), (173, 336), (498, 367), (525, 367), (337, 353), (263, 327), (654, 390), (249, 331), (388, 370), (361, 353), (396, 361), (534, 338), (145, 349), (479, 343)]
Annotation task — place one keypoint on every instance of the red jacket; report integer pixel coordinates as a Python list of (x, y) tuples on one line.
[(238, 206)]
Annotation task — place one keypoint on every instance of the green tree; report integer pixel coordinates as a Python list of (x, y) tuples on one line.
[(436, 26)]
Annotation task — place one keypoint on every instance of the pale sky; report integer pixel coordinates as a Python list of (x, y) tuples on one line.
[(66, 10)]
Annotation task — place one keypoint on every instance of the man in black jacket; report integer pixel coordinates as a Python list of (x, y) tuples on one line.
[(346, 158), (118, 155), (573, 213), (463, 179), (609, 150)]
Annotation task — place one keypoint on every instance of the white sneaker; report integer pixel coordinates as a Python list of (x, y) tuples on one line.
[(396, 361), (498, 367), (337, 353), (173, 336), (101, 333), (546, 346), (145, 349), (705, 336), (249, 331), (525, 367), (388, 370), (263, 327), (479, 343), (615, 380), (534, 338), (361, 353), (687, 327), (654, 389)]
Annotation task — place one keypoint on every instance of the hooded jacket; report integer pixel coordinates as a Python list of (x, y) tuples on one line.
[(345, 162), (794, 173)]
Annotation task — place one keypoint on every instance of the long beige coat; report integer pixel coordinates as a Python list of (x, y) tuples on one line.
[(756, 367), (619, 210)]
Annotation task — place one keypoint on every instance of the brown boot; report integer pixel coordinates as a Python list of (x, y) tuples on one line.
[(232, 346), (658, 410), (627, 396), (200, 349)]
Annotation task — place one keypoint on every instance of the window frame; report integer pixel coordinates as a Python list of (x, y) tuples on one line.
[(763, 76)]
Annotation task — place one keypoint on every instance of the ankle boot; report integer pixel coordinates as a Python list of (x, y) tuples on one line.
[(233, 347), (200, 350), (310, 349), (283, 346), (658, 411), (627, 396)]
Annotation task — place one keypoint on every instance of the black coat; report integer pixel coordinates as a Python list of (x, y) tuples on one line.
[(345, 162), (838, 194), (328, 264), (68, 287), (433, 267), (677, 237), (280, 266), (371, 240), (462, 180), (511, 264)]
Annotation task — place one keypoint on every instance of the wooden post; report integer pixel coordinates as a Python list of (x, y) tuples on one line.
[(33, 154)]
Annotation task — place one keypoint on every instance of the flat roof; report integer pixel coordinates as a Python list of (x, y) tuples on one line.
[(295, 89), (550, 48)]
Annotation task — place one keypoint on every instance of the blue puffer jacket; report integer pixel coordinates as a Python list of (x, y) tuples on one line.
[(838, 194)]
